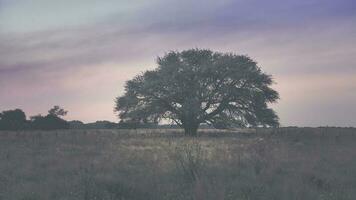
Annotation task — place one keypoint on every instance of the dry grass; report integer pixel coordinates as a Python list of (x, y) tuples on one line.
[(294, 163)]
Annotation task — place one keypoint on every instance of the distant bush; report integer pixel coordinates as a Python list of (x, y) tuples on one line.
[(76, 124), (48, 122), (13, 120), (16, 120), (100, 125), (51, 121)]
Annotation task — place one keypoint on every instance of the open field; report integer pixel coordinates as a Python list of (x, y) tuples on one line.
[(280, 164)]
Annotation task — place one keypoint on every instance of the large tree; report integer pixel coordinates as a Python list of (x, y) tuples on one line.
[(200, 86)]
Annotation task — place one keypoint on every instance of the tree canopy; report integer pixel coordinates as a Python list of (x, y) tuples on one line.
[(57, 111), (200, 86)]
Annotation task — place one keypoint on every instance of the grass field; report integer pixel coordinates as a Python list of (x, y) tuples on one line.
[(280, 164)]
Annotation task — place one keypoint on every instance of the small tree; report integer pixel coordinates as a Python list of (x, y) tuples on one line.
[(200, 86), (51, 121)]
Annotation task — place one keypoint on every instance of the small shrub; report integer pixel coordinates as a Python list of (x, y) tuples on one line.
[(190, 159)]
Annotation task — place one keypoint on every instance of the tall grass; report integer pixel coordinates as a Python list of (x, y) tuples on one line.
[(285, 163)]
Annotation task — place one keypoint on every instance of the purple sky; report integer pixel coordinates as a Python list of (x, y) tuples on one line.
[(79, 53)]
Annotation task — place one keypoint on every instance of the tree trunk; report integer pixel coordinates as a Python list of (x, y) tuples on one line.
[(191, 129)]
